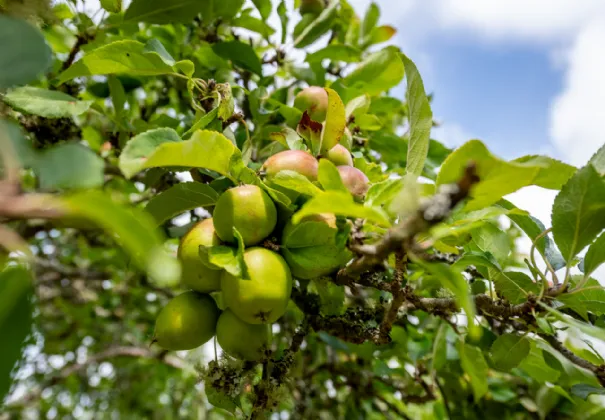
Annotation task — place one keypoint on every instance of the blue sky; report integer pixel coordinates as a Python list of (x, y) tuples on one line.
[(524, 76), (500, 95)]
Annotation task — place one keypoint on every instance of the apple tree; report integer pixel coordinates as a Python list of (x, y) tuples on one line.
[(221, 208)]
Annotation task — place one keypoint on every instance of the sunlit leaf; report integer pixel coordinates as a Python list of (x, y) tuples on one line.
[(180, 198), (509, 350), (474, 365), (341, 204), (334, 127), (578, 214), (45, 103), (497, 177)]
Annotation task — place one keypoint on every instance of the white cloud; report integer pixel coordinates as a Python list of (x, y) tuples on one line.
[(533, 20), (572, 32), (578, 113), (451, 134)]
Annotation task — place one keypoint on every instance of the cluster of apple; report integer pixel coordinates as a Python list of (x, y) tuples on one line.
[(260, 294)]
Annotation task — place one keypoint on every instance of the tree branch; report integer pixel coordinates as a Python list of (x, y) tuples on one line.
[(599, 371), (400, 237)]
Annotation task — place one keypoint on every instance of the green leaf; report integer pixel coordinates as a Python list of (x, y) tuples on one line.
[(112, 6), (552, 174), (264, 8), (381, 34), (45, 103), (331, 296), (24, 52), (381, 194), (220, 400), (125, 56), (514, 285), (222, 257), (118, 95), (588, 329), (15, 146), (240, 54), (358, 106), (336, 52), (295, 182), (497, 177), (473, 363), (370, 19), (440, 347), (454, 281), (15, 320), (164, 11), (219, 9), (590, 298), (317, 27), (288, 138), (595, 256), (202, 122), (253, 24), (481, 259), (316, 261), (578, 214), (533, 228), (138, 149), (509, 350), (379, 72), (134, 229), (181, 198), (465, 222), (340, 204), (598, 161), (329, 177), (69, 165), (420, 117), (282, 12), (489, 238), (227, 258), (335, 124), (368, 122), (584, 390), (536, 367), (206, 149), (309, 233)]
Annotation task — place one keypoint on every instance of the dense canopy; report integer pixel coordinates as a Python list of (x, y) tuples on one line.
[(354, 267)]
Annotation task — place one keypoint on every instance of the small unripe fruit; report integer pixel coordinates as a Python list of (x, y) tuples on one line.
[(263, 296), (309, 262), (197, 274), (247, 208), (340, 156), (242, 340), (186, 322), (314, 100), (292, 160), (311, 6), (356, 181)]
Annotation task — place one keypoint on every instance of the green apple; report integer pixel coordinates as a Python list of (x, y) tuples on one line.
[(186, 322), (340, 156), (247, 208), (242, 340), (262, 296), (197, 273)]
